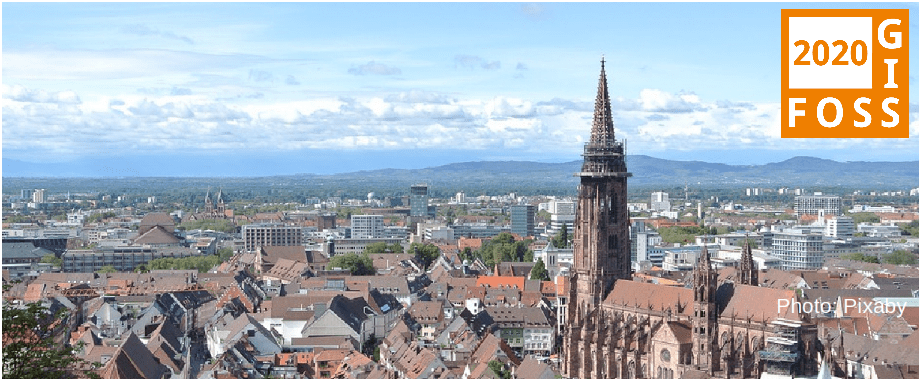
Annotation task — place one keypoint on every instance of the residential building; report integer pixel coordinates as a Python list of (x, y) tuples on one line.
[(257, 235), (798, 250), (814, 204)]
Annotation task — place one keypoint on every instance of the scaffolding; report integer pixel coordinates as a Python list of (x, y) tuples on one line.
[(781, 350)]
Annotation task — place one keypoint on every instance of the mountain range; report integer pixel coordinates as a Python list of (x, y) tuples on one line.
[(489, 176)]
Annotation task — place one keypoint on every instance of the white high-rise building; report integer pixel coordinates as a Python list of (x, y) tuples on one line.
[(840, 226), (660, 201), (798, 249), (38, 196), (367, 226), (812, 205)]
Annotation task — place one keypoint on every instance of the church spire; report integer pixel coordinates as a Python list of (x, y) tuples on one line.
[(602, 130), (748, 273)]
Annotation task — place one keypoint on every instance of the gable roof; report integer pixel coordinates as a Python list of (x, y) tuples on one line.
[(517, 282), (156, 235), (271, 254), (654, 296), (757, 303), (133, 361)]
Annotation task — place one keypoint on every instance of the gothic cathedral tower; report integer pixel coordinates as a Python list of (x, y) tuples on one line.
[(601, 230), (601, 233), (704, 317)]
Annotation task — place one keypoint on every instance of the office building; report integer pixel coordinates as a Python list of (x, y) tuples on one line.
[(523, 220), (366, 226), (419, 200)]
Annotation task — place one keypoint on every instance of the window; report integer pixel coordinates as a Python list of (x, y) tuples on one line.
[(665, 355)]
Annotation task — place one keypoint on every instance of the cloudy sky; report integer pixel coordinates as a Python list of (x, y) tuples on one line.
[(249, 89)]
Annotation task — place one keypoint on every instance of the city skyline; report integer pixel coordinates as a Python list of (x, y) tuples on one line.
[(345, 87)]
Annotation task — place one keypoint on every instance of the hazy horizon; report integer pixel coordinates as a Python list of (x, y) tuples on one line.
[(283, 88)]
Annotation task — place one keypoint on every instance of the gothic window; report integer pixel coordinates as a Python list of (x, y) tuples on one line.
[(665, 355), (724, 338)]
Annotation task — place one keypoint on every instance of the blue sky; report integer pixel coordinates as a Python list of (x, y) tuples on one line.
[(331, 87)]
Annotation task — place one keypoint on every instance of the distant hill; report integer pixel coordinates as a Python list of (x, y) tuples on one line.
[(513, 176), (805, 171)]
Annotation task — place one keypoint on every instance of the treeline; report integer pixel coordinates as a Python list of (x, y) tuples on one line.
[(220, 225), (501, 248)]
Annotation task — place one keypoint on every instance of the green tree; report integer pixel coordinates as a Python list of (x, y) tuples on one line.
[(357, 264), (106, 270), (680, 234), (860, 257), (539, 271), (910, 229), (560, 241), (503, 248), (201, 263), (900, 257), (860, 217), (467, 254), (224, 254), (383, 247), (52, 259), (498, 368), (425, 254), (220, 225), (528, 256), (30, 347)]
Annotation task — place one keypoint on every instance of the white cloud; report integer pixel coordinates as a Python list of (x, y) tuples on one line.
[(23, 94), (656, 121), (374, 68)]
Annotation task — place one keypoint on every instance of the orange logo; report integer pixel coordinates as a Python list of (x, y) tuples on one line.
[(845, 73)]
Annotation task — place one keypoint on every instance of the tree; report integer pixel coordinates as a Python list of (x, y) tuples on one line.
[(498, 368), (860, 217), (467, 254), (860, 257), (539, 271), (30, 347), (201, 263), (528, 256), (560, 241), (425, 254), (383, 247), (107, 270), (357, 264), (900, 257), (225, 253), (52, 259), (503, 248)]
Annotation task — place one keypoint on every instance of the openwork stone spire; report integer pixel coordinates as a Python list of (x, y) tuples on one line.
[(601, 132), (603, 156)]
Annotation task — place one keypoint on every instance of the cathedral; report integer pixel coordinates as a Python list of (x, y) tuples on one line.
[(619, 328), (213, 209)]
